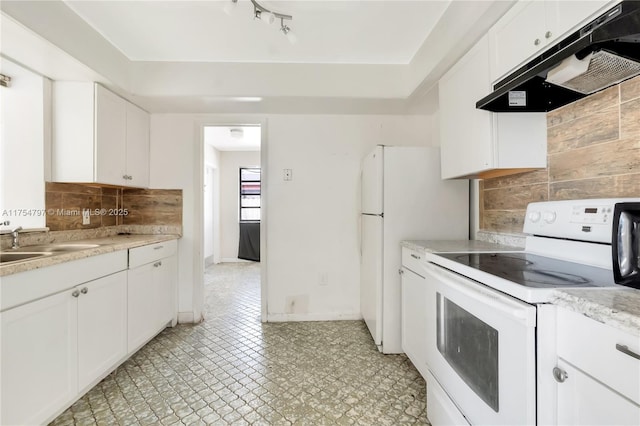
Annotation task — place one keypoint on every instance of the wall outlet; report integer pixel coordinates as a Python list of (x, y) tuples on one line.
[(287, 174), (323, 279), (86, 217)]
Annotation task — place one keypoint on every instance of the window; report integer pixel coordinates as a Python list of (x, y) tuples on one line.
[(249, 195)]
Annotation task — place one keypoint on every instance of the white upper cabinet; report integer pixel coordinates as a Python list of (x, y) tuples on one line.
[(110, 137), (98, 137), (532, 26), (137, 158), (473, 141), (22, 141)]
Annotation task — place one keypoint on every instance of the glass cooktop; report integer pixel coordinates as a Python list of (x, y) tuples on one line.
[(535, 271)]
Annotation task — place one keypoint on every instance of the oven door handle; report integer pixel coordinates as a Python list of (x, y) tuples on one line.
[(519, 311)]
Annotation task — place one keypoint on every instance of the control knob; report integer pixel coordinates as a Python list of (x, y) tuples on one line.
[(534, 216), (549, 217)]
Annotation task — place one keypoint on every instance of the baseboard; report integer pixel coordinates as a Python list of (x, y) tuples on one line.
[(185, 318), (232, 260), (349, 316)]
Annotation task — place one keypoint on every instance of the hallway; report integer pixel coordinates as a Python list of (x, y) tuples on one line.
[(232, 369)]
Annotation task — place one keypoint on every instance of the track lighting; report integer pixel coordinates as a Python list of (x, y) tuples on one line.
[(268, 16)]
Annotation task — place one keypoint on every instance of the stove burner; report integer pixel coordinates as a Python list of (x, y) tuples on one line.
[(555, 278), (533, 270), (502, 259)]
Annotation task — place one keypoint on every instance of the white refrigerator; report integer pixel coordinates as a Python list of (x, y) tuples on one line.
[(403, 198)]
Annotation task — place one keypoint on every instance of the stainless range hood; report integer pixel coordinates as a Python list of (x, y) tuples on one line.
[(602, 53)]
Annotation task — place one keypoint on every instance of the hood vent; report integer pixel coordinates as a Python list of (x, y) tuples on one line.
[(595, 72), (602, 53)]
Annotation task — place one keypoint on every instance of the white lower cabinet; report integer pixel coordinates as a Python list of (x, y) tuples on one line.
[(414, 314), (59, 345), (597, 373), (66, 326), (102, 327), (150, 291), (39, 359), (584, 401)]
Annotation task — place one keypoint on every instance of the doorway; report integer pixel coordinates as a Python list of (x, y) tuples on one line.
[(233, 214)]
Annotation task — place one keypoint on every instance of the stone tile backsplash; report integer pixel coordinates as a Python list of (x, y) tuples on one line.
[(110, 206), (593, 151)]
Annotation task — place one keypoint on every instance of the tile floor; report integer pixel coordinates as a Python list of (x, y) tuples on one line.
[(232, 369)]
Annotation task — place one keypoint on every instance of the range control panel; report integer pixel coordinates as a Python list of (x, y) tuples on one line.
[(584, 220)]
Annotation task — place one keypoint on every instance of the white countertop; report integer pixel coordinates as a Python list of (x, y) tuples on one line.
[(453, 246), (619, 308), (106, 245)]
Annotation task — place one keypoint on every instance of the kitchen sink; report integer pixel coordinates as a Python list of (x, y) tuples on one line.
[(16, 256), (56, 248)]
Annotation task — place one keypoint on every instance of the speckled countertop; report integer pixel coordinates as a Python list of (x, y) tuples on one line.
[(106, 245), (619, 308), (441, 246)]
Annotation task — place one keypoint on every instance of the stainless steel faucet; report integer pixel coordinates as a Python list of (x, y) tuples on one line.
[(14, 234)]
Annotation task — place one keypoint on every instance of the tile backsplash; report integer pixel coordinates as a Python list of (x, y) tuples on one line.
[(110, 206), (593, 151)]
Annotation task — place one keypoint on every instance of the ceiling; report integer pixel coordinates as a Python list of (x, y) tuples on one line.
[(234, 138), (182, 56), (336, 32)]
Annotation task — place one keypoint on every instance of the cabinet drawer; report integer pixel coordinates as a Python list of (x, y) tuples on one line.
[(593, 348), (413, 260), (145, 254)]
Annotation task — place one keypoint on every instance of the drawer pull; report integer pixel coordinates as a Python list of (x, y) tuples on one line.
[(157, 264), (415, 256), (560, 375), (75, 293), (625, 350), (158, 247)]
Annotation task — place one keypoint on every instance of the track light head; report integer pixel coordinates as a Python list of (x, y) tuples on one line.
[(268, 16)]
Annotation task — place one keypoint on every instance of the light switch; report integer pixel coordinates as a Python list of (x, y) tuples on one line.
[(287, 174), (86, 217)]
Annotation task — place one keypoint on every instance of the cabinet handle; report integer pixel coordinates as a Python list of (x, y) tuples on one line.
[(84, 290), (560, 375), (400, 271), (625, 350), (75, 293), (536, 42), (158, 247), (415, 256), (548, 34), (157, 264)]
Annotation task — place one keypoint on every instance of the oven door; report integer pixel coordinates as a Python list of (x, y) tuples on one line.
[(481, 349)]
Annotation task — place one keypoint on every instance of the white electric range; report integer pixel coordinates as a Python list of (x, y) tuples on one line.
[(482, 310)]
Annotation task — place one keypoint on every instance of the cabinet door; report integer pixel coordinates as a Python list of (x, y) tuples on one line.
[(466, 142), (517, 36), (566, 16), (137, 164), (141, 306), (584, 401), (414, 319), (110, 134), (102, 326), (165, 275), (39, 359)]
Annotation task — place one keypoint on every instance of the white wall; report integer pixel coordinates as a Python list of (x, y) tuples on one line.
[(230, 163), (312, 221)]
